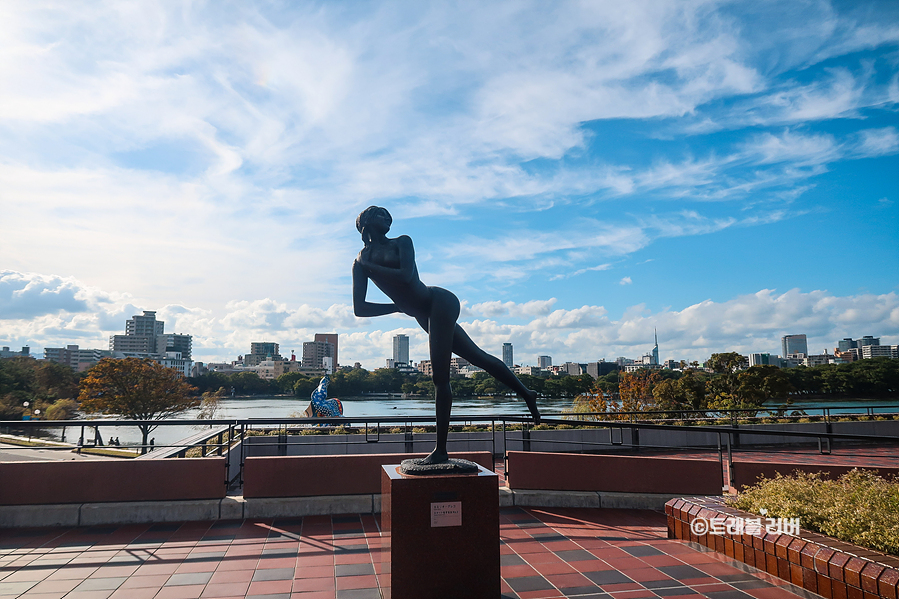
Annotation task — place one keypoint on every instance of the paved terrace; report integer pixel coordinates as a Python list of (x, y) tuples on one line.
[(580, 553)]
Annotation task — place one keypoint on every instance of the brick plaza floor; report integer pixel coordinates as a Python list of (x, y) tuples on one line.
[(581, 553)]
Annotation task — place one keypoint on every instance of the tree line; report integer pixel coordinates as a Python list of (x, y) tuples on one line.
[(56, 390), (359, 381), (46, 386), (725, 384)]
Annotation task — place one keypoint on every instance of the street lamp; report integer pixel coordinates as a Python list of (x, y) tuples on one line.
[(37, 414)]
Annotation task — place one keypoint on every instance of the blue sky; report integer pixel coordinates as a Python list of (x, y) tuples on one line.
[(578, 174)]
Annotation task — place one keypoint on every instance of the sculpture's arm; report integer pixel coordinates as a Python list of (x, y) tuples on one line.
[(361, 307), (406, 271)]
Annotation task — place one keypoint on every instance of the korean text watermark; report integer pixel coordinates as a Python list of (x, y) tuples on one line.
[(721, 525)]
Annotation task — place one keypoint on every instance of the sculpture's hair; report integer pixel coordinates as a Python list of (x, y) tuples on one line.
[(362, 219)]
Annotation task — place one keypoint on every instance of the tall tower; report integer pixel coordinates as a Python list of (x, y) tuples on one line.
[(507, 355), (400, 349), (655, 350), (794, 344)]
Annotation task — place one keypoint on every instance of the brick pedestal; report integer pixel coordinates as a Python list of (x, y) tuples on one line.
[(440, 535)]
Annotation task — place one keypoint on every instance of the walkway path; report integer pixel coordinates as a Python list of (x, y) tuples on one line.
[(578, 553)]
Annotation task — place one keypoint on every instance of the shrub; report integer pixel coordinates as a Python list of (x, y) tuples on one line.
[(859, 507)]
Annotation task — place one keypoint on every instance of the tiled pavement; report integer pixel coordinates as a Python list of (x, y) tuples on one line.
[(579, 553)]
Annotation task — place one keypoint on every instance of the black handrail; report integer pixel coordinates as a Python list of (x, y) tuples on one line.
[(238, 430)]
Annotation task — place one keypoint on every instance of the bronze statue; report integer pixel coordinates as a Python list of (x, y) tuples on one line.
[(390, 264)]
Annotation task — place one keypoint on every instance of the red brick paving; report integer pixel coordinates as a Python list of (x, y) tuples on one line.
[(546, 553)]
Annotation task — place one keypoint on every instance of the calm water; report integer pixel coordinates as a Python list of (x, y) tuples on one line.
[(283, 407)]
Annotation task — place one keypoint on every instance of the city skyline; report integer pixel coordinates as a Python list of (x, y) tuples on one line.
[(578, 174)]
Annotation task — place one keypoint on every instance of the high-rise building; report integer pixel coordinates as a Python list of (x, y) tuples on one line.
[(602, 368), (794, 344), (848, 343), (507, 355), (314, 354), (572, 368), (144, 326), (140, 334), (260, 351), (545, 361), (332, 339), (867, 340), (264, 348), (145, 337), (401, 349), (173, 342), (655, 350)]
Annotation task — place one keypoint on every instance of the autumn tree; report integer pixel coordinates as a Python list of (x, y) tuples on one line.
[(635, 389), (597, 400), (139, 389), (210, 402)]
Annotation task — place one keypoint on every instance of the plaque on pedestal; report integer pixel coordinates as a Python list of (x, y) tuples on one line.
[(440, 535)]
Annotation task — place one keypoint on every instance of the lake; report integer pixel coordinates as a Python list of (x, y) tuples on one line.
[(241, 408)]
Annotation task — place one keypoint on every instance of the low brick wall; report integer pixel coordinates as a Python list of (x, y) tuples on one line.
[(613, 473), (749, 473), (820, 564), (103, 481), (309, 476)]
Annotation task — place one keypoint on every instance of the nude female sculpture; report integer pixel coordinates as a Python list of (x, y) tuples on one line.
[(390, 265)]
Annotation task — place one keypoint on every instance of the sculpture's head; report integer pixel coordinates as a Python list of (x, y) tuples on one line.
[(373, 219)]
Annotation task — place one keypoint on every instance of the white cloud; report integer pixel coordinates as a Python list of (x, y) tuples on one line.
[(580, 271), (878, 142), (746, 323), (201, 156), (796, 148), (625, 281), (513, 309)]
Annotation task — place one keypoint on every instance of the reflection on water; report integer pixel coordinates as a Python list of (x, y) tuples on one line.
[(283, 407)]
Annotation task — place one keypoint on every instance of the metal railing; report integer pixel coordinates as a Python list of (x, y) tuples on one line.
[(615, 432)]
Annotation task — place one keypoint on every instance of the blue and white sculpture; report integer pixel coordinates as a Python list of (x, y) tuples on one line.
[(321, 406)]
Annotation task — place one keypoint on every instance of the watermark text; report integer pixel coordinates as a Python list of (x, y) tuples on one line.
[(732, 525)]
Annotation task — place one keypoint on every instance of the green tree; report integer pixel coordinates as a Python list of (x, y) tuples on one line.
[(576, 385), (249, 383), (136, 389), (38, 382), (723, 388), (685, 393), (760, 383), (303, 387), (287, 381), (62, 409)]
